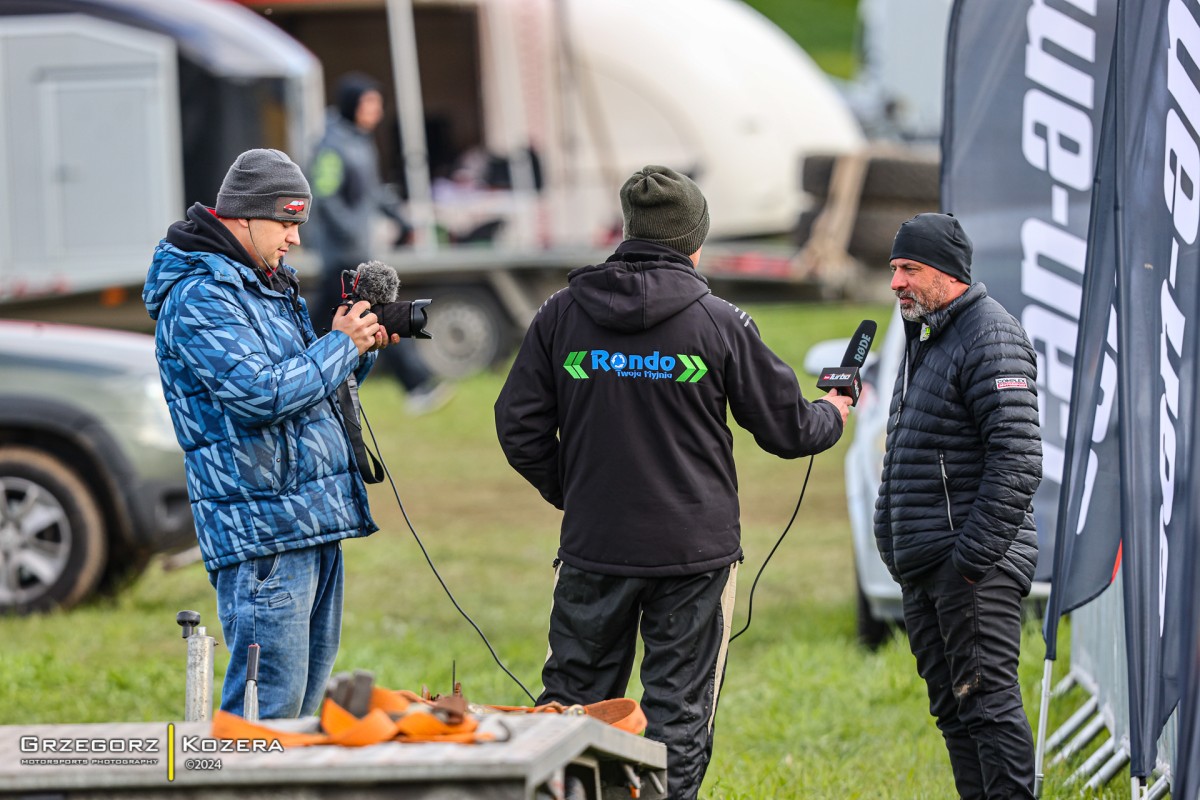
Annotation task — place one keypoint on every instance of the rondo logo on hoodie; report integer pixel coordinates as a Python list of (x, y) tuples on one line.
[(652, 366)]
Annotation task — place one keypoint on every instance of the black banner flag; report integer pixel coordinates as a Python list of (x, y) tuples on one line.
[(1157, 97), (1024, 134)]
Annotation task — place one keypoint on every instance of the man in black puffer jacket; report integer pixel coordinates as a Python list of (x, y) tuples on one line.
[(615, 410), (954, 519)]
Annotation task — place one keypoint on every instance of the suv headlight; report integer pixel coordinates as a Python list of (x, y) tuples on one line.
[(155, 428)]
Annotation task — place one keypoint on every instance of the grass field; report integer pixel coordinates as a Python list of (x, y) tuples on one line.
[(826, 29), (805, 713)]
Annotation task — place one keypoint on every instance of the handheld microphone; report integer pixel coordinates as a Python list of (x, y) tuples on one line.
[(845, 379)]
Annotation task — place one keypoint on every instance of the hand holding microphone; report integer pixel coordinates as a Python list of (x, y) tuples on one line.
[(843, 383)]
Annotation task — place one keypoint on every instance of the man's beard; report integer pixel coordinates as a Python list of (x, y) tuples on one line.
[(917, 311), (934, 299)]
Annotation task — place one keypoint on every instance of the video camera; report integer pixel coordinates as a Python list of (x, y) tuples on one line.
[(377, 283)]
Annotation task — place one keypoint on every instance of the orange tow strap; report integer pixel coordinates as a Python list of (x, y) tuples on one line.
[(622, 713), (405, 717)]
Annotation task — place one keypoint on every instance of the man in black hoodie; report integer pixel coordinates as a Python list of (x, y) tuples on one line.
[(615, 410)]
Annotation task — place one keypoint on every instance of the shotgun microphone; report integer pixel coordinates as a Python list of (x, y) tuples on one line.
[(377, 283), (845, 379)]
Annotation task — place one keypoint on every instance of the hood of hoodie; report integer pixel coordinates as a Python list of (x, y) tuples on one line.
[(639, 286), (202, 232)]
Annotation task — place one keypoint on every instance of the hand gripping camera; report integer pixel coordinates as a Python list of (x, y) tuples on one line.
[(377, 283)]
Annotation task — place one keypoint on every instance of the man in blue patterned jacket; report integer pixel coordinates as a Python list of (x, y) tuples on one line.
[(252, 391)]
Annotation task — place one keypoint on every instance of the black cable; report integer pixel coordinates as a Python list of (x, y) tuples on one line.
[(436, 574), (767, 560)]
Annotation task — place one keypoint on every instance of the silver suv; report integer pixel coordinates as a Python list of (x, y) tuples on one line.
[(91, 476)]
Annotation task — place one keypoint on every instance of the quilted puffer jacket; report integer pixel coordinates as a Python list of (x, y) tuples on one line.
[(252, 393), (964, 450)]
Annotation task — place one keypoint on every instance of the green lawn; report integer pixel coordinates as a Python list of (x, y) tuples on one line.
[(826, 29), (805, 713)]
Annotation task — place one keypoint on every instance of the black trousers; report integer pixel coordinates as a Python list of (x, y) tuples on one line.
[(684, 623), (967, 641)]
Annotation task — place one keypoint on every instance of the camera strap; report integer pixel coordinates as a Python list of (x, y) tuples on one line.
[(369, 465)]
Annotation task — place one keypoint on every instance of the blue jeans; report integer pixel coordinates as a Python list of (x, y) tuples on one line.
[(290, 604)]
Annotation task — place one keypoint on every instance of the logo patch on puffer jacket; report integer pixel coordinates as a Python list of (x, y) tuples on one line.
[(1012, 382)]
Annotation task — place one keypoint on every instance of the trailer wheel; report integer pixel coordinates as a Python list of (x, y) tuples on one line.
[(52, 544), (470, 332)]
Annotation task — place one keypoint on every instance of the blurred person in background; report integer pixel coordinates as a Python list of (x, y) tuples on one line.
[(253, 393), (954, 517), (606, 419), (349, 195)]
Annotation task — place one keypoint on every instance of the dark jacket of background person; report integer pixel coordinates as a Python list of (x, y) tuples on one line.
[(250, 389), (347, 191), (643, 466), (964, 454)]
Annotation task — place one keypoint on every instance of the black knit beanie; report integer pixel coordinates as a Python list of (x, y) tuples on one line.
[(264, 184), (350, 89), (662, 206), (937, 240)]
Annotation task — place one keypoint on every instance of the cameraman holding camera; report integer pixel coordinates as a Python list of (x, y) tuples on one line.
[(273, 481)]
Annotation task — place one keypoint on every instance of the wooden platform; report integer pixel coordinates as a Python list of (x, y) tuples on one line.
[(538, 756)]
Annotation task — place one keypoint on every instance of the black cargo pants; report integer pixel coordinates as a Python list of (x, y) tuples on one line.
[(967, 641), (684, 622)]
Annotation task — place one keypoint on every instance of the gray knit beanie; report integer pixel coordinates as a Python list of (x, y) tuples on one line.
[(660, 205), (264, 184)]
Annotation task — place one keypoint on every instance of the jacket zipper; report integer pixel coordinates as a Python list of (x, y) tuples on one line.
[(946, 488)]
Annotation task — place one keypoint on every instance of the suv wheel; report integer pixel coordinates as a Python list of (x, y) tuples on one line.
[(52, 545)]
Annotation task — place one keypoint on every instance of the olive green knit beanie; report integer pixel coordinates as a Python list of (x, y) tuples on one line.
[(662, 206)]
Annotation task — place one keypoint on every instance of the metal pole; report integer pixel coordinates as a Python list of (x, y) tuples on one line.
[(1159, 790), (1096, 760), (518, 138), (1039, 753), (199, 690), (406, 75), (1110, 768), (1067, 728), (250, 703), (1080, 741)]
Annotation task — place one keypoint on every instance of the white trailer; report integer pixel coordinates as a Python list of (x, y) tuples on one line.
[(113, 113), (567, 98), (558, 100)]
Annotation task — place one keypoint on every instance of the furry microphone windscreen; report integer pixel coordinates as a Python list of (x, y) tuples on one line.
[(377, 283)]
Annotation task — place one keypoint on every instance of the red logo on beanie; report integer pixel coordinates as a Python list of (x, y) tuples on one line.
[(294, 207)]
